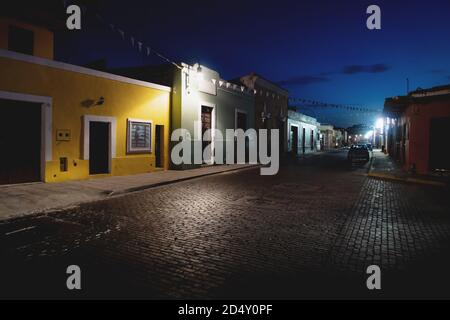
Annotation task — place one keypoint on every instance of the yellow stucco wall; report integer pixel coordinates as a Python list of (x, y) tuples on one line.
[(43, 38), (69, 90)]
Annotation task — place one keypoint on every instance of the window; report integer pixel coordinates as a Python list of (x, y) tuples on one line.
[(139, 137), (21, 40)]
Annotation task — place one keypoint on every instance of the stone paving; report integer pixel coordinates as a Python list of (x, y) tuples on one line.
[(24, 199), (308, 232)]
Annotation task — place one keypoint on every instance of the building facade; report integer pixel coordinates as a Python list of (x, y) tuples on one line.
[(271, 106), (303, 133), (416, 129), (341, 137), (62, 122), (327, 137), (201, 100)]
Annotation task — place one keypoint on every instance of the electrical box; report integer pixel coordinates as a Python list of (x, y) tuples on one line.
[(63, 135)]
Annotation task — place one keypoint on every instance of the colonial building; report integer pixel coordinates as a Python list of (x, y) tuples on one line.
[(417, 129), (271, 105), (341, 137), (201, 96), (303, 133), (327, 137), (60, 121)]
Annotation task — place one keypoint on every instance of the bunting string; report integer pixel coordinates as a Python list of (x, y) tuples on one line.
[(140, 45), (146, 49)]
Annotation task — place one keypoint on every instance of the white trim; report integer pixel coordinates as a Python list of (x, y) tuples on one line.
[(70, 67), (213, 125), (112, 135), (128, 142), (7, 95), (236, 111), (46, 122)]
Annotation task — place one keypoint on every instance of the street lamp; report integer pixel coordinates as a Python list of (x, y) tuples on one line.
[(379, 124)]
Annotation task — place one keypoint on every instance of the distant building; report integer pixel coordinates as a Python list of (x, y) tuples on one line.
[(303, 133), (417, 129), (341, 137), (357, 134), (271, 105), (327, 137)]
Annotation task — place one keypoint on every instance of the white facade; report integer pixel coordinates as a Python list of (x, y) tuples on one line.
[(303, 133), (327, 137)]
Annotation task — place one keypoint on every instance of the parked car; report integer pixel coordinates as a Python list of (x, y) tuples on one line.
[(359, 153)]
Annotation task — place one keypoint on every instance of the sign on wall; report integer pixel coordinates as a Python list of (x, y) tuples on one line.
[(139, 136)]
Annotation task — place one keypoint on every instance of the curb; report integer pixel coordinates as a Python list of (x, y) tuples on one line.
[(104, 195), (163, 183), (384, 176)]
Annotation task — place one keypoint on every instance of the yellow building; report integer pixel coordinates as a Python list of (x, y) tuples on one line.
[(60, 121)]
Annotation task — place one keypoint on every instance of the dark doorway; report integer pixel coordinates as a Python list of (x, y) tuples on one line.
[(312, 140), (159, 146), (303, 140), (20, 142), (206, 125), (241, 121), (294, 134), (439, 144), (99, 147), (281, 136)]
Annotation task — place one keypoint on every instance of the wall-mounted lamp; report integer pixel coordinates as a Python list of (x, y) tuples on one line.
[(100, 101), (265, 116)]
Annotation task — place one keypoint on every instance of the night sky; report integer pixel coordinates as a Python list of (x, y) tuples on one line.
[(317, 50)]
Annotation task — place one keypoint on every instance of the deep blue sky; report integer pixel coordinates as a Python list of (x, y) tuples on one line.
[(319, 49)]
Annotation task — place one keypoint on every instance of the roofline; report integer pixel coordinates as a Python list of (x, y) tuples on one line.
[(70, 67), (285, 91)]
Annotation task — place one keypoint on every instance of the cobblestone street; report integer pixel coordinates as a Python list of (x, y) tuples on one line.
[(309, 232)]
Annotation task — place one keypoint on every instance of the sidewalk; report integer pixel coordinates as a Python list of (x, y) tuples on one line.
[(384, 167), (23, 199)]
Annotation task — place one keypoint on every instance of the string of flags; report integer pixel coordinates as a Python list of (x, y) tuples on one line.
[(147, 50), (357, 108), (135, 42)]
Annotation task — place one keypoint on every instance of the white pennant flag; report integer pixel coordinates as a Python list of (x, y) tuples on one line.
[(148, 51), (132, 41), (140, 46), (122, 33)]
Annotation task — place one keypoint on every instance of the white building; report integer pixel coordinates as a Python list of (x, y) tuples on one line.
[(327, 137), (303, 133)]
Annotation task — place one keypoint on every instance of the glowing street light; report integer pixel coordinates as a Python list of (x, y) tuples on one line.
[(379, 124), (368, 135)]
